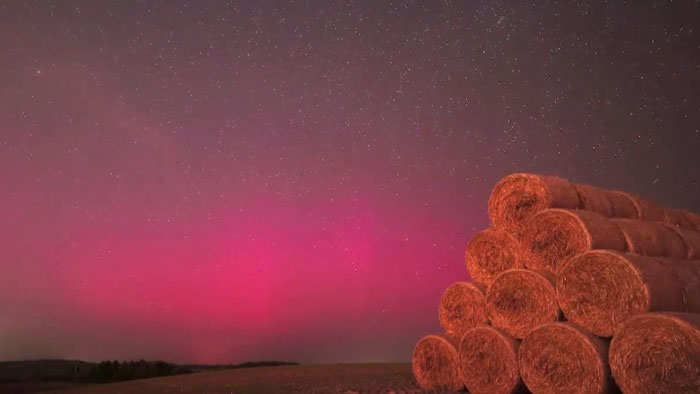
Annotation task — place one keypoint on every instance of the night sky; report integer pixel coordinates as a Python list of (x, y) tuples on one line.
[(224, 181)]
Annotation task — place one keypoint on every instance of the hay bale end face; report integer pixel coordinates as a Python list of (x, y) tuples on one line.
[(657, 353), (599, 290), (435, 363), (517, 197), (553, 236), (562, 358), (462, 306), (491, 252), (519, 300), (488, 361)]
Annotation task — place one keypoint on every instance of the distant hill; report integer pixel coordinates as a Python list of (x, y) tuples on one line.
[(106, 371)]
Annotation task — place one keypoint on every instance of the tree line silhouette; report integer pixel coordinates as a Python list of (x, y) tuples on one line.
[(107, 371), (114, 371)]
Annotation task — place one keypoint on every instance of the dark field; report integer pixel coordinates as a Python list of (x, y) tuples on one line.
[(312, 379), (35, 387)]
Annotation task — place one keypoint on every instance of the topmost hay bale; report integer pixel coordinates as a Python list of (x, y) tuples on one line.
[(678, 218), (623, 206), (517, 197), (435, 363), (657, 353), (594, 199), (648, 210), (693, 218), (491, 252), (609, 203)]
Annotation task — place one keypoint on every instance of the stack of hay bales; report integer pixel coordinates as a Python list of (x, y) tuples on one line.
[(576, 290)]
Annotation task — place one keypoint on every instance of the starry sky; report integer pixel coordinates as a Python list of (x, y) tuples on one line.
[(225, 181)]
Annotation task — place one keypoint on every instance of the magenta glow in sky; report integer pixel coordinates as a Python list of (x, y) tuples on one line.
[(213, 182)]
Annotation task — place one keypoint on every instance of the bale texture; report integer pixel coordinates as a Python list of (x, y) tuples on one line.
[(435, 363), (652, 238), (623, 205), (693, 218), (678, 218), (657, 353), (491, 252), (554, 235), (488, 361), (519, 300), (517, 197), (600, 289), (562, 358), (594, 199), (691, 240), (462, 306), (646, 210)]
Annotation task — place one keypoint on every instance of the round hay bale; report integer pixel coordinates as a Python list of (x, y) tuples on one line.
[(488, 361), (678, 218), (562, 358), (519, 300), (594, 199), (693, 218), (435, 363), (600, 289), (691, 239), (554, 235), (657, 353), (491, 252), (623, 205), (648, 210), (517, 197), (462, 306), (652, 238)]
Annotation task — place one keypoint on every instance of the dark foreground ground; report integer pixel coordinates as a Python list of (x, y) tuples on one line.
[(311, 379), (35, 387)]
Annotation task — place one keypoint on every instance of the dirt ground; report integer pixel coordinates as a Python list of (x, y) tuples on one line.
[(308, 379)]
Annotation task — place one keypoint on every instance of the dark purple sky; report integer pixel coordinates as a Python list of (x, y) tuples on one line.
[(228, 181)]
